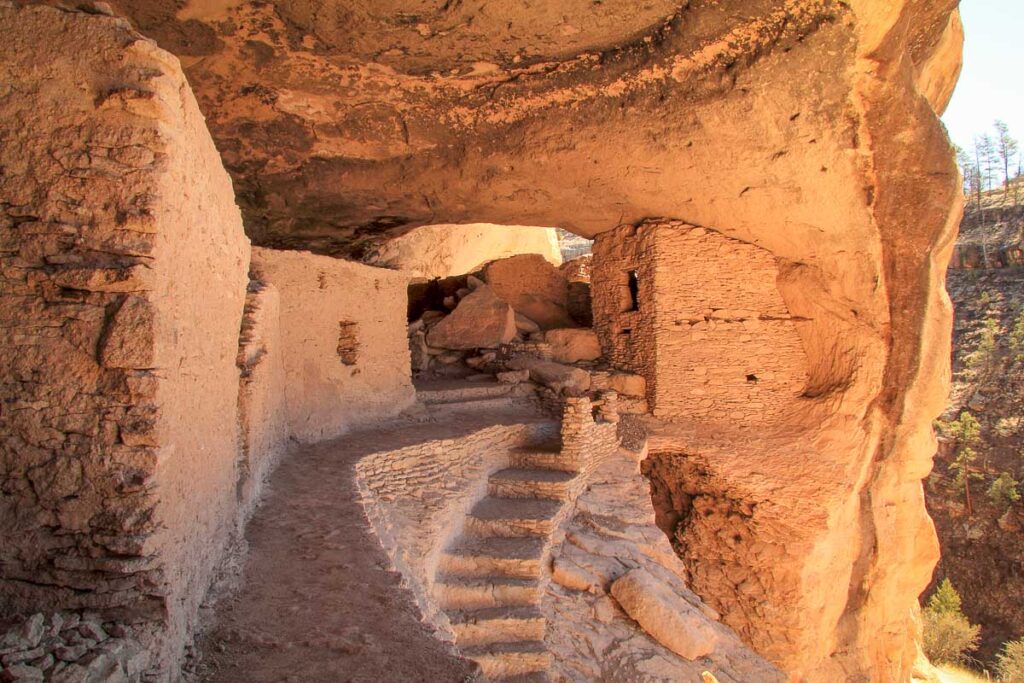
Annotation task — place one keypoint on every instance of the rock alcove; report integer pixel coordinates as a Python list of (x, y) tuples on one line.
[(772, 202)]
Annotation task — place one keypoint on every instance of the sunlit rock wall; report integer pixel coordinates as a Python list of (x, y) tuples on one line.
[(439, 251)]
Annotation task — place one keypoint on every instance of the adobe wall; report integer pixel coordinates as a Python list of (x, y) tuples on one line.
[(627, 332), (262, 420), (122, 271), (720, 345), (343, 338)]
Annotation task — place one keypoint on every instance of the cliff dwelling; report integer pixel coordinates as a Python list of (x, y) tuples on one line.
[(447, 341)]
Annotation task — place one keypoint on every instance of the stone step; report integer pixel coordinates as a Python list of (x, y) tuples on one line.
[(513, 517), (544, 457), (497, 625), (465, 592), (434, 393), (530, 483), (501, 661), (532, 677), (508, 557), (488, 403)]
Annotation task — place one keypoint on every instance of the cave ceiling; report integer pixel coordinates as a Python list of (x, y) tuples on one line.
[(344, 123)]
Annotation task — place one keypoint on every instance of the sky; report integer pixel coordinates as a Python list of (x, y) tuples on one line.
[(992, 82)]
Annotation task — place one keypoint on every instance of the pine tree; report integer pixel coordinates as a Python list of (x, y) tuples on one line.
[(945, 599), (1006, 149), (967, 432)]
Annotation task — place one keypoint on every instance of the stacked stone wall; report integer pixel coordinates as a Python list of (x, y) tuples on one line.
[(627, 332), (589, 432), (122, 278), (716, 339), (417, 497)]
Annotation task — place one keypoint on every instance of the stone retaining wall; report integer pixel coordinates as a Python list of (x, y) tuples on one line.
[(417, 497)]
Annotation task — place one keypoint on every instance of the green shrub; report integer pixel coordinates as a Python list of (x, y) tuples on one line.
[(1003, 490), (965, 429), (945, 599), (948, 635), (1017, 338), (1010, 662)]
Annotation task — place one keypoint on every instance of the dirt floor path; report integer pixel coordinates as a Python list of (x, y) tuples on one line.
[(317, 599)]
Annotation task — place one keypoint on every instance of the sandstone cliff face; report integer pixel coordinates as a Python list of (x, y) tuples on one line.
[(806, 128)]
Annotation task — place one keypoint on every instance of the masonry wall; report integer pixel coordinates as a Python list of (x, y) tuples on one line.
[(122, 276), (417, 497), (716, 341), (343, 339), (627, 331)]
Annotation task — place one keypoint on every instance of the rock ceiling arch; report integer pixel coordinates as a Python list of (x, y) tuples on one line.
[(342, 124)]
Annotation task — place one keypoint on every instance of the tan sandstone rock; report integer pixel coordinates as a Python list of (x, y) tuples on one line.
[(572, 345), (439, 251), (634, 386), (480, 321), (668, 618), (560, 378), (534, 287)]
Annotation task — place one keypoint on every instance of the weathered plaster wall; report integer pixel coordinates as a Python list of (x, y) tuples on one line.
[(343, 339), (122, 287), (438, 251), (711, 335), (262, 415)]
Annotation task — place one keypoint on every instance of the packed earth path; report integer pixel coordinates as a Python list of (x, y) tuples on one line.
[(318, 598)]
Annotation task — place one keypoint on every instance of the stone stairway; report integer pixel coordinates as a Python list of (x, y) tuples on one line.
[(489, 581)]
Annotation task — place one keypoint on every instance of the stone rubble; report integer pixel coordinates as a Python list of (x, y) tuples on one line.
[(68, 647)]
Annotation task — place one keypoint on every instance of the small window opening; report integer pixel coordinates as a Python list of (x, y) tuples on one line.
[(752, 379), (626, 331), (634, 291), (348, 342)]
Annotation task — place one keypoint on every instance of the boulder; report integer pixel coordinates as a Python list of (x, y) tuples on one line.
[(573, 344), (628, 385), (533, 287), (664, 614), (481, 320), (525, 325), (557, 377), (513, 376)]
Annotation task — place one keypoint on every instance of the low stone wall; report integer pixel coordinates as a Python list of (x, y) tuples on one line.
[(342, 328), (417, 497)]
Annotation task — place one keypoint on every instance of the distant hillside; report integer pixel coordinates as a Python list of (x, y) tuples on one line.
[(992, 234), (976, 500)]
